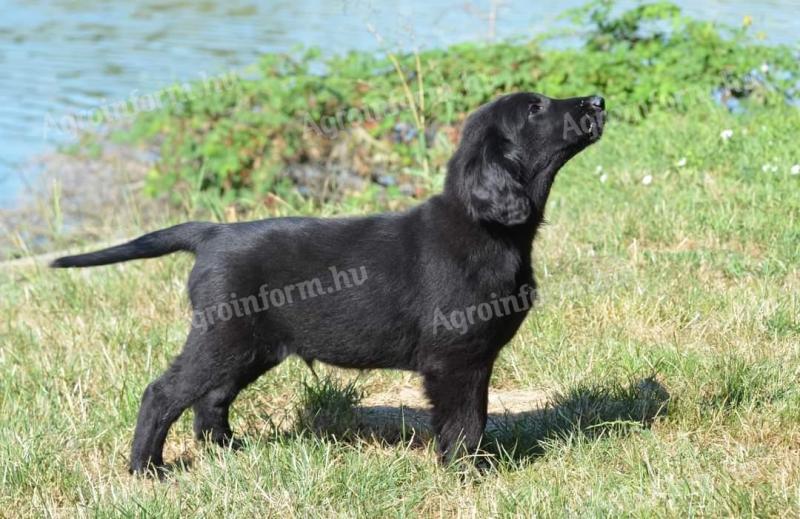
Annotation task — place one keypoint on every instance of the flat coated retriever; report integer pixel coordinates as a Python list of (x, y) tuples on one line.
[(438, 289)]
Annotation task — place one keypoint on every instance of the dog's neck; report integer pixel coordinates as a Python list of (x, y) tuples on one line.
[(538, 188), (519, 236)]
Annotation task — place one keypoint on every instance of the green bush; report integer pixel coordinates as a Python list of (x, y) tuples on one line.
[(237, 139)]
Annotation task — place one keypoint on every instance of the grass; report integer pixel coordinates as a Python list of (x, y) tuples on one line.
[(692, 278)]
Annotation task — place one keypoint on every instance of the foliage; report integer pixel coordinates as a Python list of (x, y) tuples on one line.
[(237, 140)]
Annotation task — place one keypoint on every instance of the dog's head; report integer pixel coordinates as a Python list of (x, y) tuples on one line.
[(512, 148)]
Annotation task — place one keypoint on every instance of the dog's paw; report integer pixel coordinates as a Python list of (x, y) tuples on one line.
[(147, 469), (226, 441)]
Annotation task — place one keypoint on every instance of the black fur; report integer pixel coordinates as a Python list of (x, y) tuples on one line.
[(389, 276)]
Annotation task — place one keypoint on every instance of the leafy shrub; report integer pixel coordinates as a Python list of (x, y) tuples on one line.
[(290, 109)]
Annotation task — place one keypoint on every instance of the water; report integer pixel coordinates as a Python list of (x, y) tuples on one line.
[(61, 57)]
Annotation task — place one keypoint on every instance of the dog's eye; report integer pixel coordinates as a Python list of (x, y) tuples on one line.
[(534, 108)]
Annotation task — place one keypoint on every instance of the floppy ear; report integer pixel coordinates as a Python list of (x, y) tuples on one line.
[(491, 189)]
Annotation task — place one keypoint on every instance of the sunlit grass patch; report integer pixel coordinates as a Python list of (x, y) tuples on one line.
[(737, 382), (328, 406)]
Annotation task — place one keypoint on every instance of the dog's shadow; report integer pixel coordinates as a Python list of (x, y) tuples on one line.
[(589, 411)]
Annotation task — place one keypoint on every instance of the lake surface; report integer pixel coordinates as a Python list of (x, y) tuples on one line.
[(62, 57)]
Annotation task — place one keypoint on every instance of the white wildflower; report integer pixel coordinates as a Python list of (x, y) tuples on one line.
[(598, 170), (726, 134), (681, 163), (647, 180), (603, 178), (795, 169)]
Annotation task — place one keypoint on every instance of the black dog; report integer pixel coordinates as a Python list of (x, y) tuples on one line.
[(439, 289)]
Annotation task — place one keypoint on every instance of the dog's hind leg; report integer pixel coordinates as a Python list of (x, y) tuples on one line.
[(209, 367), (212, 409), (162, 403), (211, 416), (459, 400)]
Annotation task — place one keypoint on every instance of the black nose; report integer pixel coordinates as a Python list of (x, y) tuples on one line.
[(597, 102)]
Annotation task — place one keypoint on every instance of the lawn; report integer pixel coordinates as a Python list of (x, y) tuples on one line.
[(671, 252)]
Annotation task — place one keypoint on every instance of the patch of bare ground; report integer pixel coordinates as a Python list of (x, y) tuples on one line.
[(79, 198), (400, 409)]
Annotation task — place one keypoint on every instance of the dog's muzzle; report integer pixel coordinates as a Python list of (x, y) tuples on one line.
[(595, 110)]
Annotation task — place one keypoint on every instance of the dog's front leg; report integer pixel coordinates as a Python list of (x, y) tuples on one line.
[(459, 400)]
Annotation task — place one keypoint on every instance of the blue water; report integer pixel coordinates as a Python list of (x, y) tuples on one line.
[(62, 57)]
